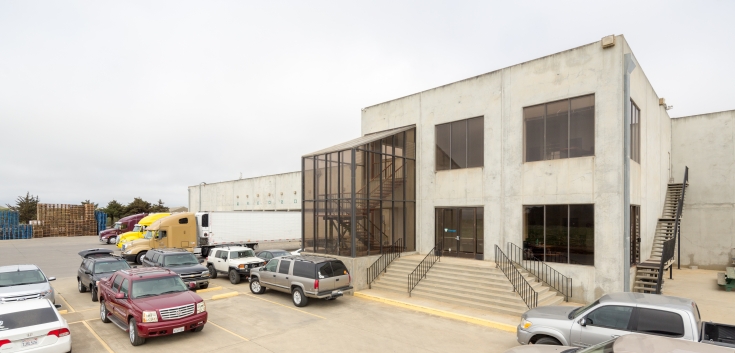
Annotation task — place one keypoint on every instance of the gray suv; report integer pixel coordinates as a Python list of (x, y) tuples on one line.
[(22, 282), (303, 277)]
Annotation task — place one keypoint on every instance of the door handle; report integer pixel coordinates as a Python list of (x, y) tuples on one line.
[(337, 280), (274, 275), (458, 237), (286, 277)]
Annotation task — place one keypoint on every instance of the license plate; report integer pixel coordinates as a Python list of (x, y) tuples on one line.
[(29, 342), (179, 329)]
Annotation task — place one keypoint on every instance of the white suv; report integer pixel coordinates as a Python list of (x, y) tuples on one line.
[(235, 261)]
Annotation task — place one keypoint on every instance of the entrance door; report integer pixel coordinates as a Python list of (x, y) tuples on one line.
[(447, 232), (459, 231)]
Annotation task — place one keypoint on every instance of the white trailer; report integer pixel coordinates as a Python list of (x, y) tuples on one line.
[(246, 228)]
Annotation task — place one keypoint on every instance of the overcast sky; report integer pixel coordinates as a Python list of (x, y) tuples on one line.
[(107, 100)]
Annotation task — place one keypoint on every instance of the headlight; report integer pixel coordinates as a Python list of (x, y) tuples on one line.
[(525, 324), (205, 273), (150, 316), (201, 307), (241, 266), (46, 293)]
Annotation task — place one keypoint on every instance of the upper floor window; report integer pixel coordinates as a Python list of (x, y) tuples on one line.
[(561, 129), (460, 144), (635, 132)]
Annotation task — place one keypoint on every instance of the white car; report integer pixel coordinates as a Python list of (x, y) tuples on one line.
[(33, 326), (235, 261), (297, 252)]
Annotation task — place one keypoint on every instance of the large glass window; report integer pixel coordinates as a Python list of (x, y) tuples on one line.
[(635, 234), (460, 144), (562, 129), (559, 233), (635, 132), (364, 195)]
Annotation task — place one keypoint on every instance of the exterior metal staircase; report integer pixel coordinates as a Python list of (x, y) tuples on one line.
[(649, 275)]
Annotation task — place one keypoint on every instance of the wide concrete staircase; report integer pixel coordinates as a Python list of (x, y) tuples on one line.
[(470, 283), (648, 272)]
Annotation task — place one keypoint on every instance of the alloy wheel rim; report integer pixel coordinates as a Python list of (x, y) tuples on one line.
[(132, 331), (256, 286), (297, 297), (102, 311), (79, 285)]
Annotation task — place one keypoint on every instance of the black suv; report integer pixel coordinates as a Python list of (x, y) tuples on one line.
[(96, 265), (184, 263)]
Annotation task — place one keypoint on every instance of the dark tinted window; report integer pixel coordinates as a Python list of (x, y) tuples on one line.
[(339, 269), (283, 267), (303, 269), (660, 322), (183, 220), (460, 144), (443, 141), (562, 129), (205, 220), (116, 283), (124, 287), (475, 142), (27, 318), (110, 266), (611, 316), (324, 270)]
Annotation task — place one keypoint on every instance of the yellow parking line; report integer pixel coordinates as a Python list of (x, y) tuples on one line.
[(210, 289), (228, 331), (225, 295), (67, 303), (80, 321), (285, 306), (98, 337), (441, 313), (62, 312)]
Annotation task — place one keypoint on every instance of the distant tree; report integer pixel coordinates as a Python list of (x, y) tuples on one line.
[(114, 209), (137, 206), (159, 207), (27, 207), (87, 202)]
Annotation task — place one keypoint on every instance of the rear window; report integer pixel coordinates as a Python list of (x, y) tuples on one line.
[(27, 318), (339, 269), (110, 266), (303, 269), (332, 269), (659, 322)]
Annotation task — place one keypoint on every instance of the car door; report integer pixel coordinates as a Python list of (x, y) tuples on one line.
[(325, 276), (114, 306), (602, 324), (340, 274), (82, 273), (220, 261), (282, 277), (268, 274)]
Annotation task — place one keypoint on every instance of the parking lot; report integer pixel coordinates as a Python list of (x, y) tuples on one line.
[(239, 320)]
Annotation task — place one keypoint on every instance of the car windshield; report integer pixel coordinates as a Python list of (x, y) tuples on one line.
[(148, 234), (241, 254), (110, 266), (118, 225), (138, 228), (180, 260), (157, 286), (279, 253), (19, 278), (576, 312)]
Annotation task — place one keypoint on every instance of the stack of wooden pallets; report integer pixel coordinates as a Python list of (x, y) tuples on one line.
[(60, 220)]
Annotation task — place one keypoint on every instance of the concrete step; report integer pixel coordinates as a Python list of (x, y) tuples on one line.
[(516, 310)]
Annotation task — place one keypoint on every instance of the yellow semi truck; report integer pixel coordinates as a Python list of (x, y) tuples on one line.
[(140, 228)]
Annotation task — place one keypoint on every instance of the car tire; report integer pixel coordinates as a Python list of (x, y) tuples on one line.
[(94, 293), (548, 341), (212, 271), (234, 276), (112, 240), (135, 338), (80, 287), (139, 258), (204, 286), (197, 329), (255, 286), (298, 297), (104, 313)]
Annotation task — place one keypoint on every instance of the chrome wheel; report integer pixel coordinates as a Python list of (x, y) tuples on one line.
[(255, 286), (103, 311), (297, 297), (131, 329)]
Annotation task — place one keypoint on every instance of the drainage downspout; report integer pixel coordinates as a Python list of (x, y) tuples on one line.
[(629, 67)]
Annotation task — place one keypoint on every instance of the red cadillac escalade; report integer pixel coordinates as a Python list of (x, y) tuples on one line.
[(150, 302)]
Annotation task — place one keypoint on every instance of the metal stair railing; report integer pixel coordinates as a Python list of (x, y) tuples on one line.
[(666, 255), (679, 209), (541, 270), (423, 267), (381, 264), (520, 285)]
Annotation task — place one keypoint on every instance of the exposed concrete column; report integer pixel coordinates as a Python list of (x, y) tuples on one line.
[(629, 67)]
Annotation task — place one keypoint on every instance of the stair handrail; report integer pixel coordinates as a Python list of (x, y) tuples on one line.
[(541, 270), (520, 285), (667, 253), (423, 267), (381, 264), (679, 209)]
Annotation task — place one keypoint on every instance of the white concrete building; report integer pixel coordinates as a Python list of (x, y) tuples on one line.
[(280, 192)]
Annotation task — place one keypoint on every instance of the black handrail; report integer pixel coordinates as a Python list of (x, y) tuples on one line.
[(520, 285), (541, 270), (666, 255), (423, 267), (679, 209), (381, 264)]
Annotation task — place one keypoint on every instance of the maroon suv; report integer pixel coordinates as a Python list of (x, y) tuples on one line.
[(150, 302)]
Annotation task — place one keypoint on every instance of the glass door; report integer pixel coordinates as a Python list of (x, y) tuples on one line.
[(466, 233)]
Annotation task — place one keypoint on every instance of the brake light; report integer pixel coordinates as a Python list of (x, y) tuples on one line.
[(316, 284), (62, 332), (4, 342)]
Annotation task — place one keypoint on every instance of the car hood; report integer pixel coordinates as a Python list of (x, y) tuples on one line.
[(24, 289), (247, 260), (167, 300), (108, 232), (556, 312), (540, 349), (187, 269)]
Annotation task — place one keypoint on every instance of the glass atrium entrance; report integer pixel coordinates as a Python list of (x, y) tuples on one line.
[(359, 197), (459, 232)]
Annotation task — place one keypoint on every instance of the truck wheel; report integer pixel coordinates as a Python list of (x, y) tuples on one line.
[(104, 313), (234, 276), (94, 293), (112, 240), (212, 271), (548, 341), (299, 299), (139, 258), (135, 339), (80, 287), (255, 286), (204, 286), (197, 329)]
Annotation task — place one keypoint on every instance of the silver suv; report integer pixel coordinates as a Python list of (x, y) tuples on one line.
[(303, 277), (22, 282)]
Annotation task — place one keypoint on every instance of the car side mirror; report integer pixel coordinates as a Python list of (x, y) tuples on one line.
[(57, 306), (51, 279), (87, 272), (584, 321), (120, 295)]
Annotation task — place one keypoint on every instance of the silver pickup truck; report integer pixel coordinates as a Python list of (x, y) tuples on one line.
[(620, 314)]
